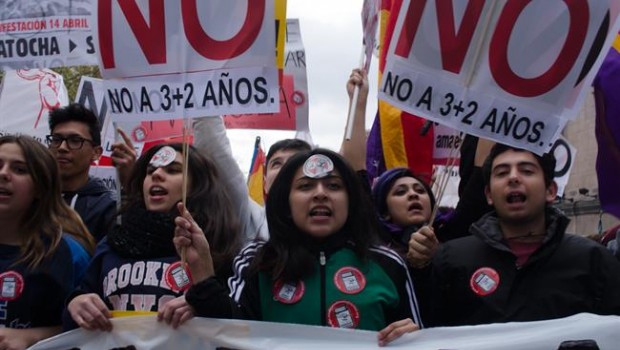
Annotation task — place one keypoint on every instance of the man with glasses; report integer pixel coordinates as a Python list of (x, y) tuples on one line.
[(75, 142)]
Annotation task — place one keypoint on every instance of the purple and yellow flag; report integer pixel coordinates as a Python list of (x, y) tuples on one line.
[(607, 99), (395, 139)]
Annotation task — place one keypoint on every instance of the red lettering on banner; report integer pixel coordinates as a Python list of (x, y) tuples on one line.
[(150, 36), (410, 27), (104, 23), (222, 49), (507, 79), (454, 45)]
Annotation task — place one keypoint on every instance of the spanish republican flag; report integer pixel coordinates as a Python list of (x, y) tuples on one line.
[(396, 138), (255, 177)]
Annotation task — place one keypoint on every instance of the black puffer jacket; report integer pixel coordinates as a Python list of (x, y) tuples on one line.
[(475, 279)]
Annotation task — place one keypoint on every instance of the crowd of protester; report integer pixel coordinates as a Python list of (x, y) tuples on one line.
[(331, 247)]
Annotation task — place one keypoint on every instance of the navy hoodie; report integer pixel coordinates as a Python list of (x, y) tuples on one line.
[(96, 205)]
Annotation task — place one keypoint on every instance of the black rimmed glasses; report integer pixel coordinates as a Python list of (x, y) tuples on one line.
[(74, 142)]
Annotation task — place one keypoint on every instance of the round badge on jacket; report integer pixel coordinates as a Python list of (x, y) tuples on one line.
[(288, 293), (343, 314), (11, 285), (484, 281), (349, 280)]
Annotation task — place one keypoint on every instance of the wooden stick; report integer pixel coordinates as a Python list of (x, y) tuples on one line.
[(117, 138), (443, 180), (186, 125), (353, 108)]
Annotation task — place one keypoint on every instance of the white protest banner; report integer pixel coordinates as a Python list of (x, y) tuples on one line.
[(511, 71), (26, 97), (107, 174), (370, 21), (187, 58), (46, 33), (446, 155), (202, 333), (447, 144), (143, 134), (90, 95), (450, 195), (214, 92), (293, 113)]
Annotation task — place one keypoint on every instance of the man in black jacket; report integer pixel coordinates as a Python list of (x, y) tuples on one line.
[(519, 264), (75, 141)]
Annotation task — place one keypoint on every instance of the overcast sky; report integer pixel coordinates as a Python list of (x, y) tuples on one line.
[(332, 35)]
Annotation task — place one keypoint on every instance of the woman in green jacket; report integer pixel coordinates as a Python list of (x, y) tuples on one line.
[(320, 265)]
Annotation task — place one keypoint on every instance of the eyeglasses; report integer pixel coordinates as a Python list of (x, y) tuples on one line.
[(74, 142)]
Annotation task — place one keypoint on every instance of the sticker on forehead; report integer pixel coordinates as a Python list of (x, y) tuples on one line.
[(318, 166), (163, 157)]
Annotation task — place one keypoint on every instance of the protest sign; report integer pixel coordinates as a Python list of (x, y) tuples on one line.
[(511, 71), (26, 97), (370, 21), (46, 33), (187, 58), (293, 114)]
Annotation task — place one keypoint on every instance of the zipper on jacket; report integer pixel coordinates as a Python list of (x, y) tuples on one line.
[(322, 261)]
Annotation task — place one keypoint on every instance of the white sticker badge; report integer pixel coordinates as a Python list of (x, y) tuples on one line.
[(318, 166), (163, 157)]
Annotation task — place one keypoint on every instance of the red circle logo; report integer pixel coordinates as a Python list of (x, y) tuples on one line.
[(11, 285), (349, 280), (484, 281), (288, 293), (178, 277), (298, 98), (343, 314), (139, 134)]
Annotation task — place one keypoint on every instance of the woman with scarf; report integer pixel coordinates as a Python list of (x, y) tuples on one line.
[(136, 267), (404, 203)]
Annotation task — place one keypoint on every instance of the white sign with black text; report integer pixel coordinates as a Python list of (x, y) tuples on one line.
[(511, 71)]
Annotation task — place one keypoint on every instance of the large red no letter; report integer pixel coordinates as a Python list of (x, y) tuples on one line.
[(151, 37), (507, 79), (222, 49), (410, 27), (454, 43)]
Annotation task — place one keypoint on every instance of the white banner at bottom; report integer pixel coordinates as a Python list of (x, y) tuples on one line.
[(201, 333)]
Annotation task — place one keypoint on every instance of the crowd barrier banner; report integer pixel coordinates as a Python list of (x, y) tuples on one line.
[(201, 333)]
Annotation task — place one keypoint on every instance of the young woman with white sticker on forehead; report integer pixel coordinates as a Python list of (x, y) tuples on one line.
[(136, 267), (320, 265)]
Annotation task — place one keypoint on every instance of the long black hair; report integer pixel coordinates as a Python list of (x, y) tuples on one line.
[(286, 255)]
